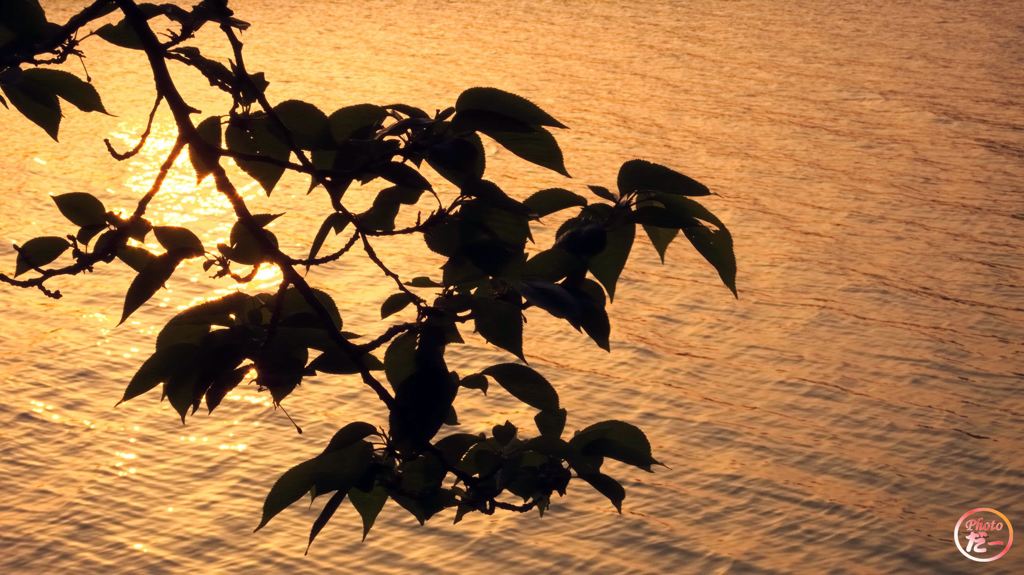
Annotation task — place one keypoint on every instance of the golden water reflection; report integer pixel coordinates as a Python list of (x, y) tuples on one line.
[(183, 201)]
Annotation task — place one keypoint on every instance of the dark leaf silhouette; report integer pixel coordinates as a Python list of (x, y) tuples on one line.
[(525, 384), (159, 368), (641, 175), (500, 323), (67, 86), (334, 470), (305, 122), (549, 201), (550, 423), (355, 121), (39, 252), (120, 34), (253, 136), (536, 146), (369, 505), (661, 238), (203, 160), (603, 193), (179, 240), (335, 222), (325, 515), (617, 440), (608, 487), (35, 103), (492, 263), (505, 103), (394, 304), (608, 264), (148, 281), (81, 209), (136, 258)]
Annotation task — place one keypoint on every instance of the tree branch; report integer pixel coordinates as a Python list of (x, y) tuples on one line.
[(181, 110)]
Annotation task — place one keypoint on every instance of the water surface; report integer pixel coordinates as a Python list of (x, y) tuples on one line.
[(861, 394)]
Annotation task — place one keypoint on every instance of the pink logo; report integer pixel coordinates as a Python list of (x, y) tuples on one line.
[(983, 534)]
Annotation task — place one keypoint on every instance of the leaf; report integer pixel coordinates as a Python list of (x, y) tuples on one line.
[(158, 369), (38, 252), (552, 298), (148, 281), (504, 433), (641, 175), (608, 487), (507, 104), (615, 439), (607, 265), (714, 244), (394, 304), (459, 160), (69, 87), (593, 317), (333, 361), (181, 240), (337, 222), (325, 515), (537, 146), (423, 400), (716, 247), (245, 248), (81, 209), (525, 384), (549, 201), (24, 18), (403, 175), (137, 258), (330, 471), (552, 265), (454, 446), (253, 136), (358, 120), (399, 359), (350, 434), (121, 34), (86, 234), (445, 237), (603, 193), (180, 390), (288, 489), (500, 323), (209, 132), (425, 507), (295, 306), (305, 122), (35, 103), (475, 381), (551, 423), (661, 238), (368, 504), (582, 238), (223, 385), (423, 282)]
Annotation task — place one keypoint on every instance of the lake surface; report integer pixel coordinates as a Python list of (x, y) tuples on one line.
[(862, 393)]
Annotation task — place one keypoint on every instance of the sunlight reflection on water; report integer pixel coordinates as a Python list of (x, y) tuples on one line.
[(867, 159)]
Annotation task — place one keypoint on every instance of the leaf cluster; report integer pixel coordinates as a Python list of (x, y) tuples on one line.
[(493, 270)]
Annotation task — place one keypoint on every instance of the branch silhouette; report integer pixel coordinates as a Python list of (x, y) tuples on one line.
[(491, 275)]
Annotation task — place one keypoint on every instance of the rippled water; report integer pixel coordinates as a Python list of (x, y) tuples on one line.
[(861, 394)]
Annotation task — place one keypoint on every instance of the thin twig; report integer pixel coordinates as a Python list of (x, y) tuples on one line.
[(142, 139), (181, 112), (328, 258)]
